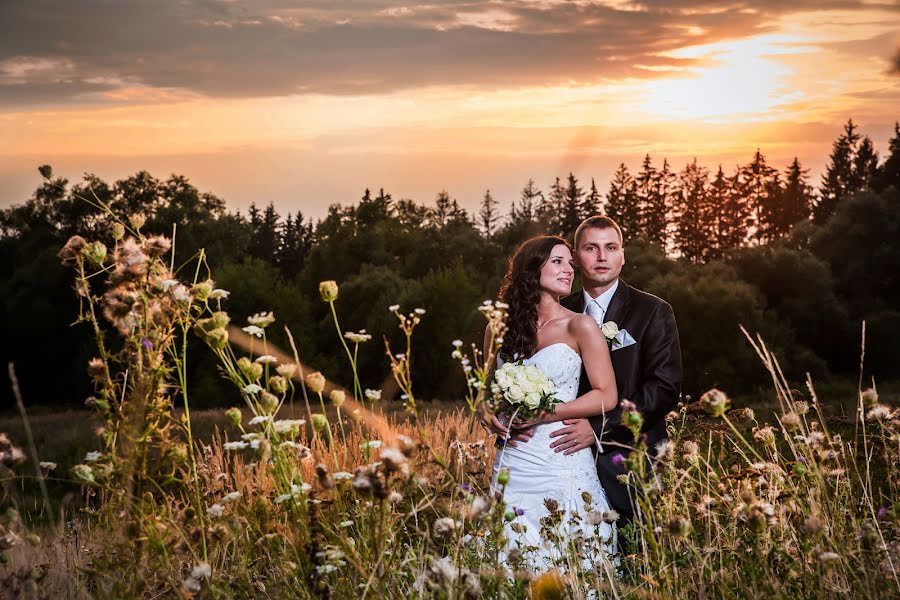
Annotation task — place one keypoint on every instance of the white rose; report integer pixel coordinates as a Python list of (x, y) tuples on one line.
[(532, 400), (515, 393), (610, 330), (530, 387)]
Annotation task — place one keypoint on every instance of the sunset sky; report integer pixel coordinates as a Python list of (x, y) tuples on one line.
[(306, 103)]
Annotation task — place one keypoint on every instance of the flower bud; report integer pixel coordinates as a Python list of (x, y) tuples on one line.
[(234, 416), (503, 477), (117, 230), (251, 370), (337, 397), (791, 421), (83, 473), (509, 515), (278, 384), (328, 290), (715, 402), (286, 370), (202, 290), (268, 402), (869, 398), (315, 382), (319, 422), (220, 319), (95, 252), (217, 338)]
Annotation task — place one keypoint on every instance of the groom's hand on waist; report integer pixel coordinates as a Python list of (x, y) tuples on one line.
[(492, 424), (577, 435)]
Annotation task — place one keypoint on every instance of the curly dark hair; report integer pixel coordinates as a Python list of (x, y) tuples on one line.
[(521, 290)]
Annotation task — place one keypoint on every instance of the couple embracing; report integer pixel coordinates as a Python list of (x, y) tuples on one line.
[(564, 466)]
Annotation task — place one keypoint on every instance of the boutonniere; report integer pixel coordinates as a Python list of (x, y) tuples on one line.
[(611, 332), (615, 337)]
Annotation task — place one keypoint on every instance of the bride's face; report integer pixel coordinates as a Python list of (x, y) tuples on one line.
[(558, 272)]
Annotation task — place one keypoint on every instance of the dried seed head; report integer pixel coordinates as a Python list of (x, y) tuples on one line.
[(315, 382)]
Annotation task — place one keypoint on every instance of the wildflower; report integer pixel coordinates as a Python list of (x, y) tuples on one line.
[(315, 382), (337, 397), (714, 402), (328, 290), (219, 294), (373, 395), (235, 445), (319, 422), (203, 289), (137, 220), (117, 231), (217, 338), (443, 527), (419, 311), (295, 492), (679, 527), (71, 249), (790, 421), (503, 477), (346, 523), (157, 245), (251, 389), (457, 343), (342, 476), (253, 330), (827, 558), (234, 416), (394, 461), (286, 370), (181, 295), (231, 497), (48, 466), (869, 398), (262, 319), (594, 518), (147, 344), (879, 412), (370, 444), (766, 435), (479, 507), (92, 456), (260, 419), (83, 473), (266, 359), (167, 284), (95, 253), (278, 384), (618, 460), (284, 426), (97, 368), (10, 455), (394, 497), (883, 513), (394, 307), (215, 511), (610, 516), (358, 337), (801, 407)]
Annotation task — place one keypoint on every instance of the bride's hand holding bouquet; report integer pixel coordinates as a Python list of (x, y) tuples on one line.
[(522, 395)]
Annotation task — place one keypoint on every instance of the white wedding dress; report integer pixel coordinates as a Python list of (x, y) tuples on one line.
[(537, 473)]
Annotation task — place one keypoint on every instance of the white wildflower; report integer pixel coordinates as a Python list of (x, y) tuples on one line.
[(358, 337), (253, 330), (342, 476), (252, 388), (262, 319), (260, 419), (202, 571), (373, 395), (266, 359), (48, 466), (457, 343), (346, 523), (92, 456), (219, 294), (215, 511), (231, 497), (167, 284), (234, 445), (283, 426), (370, 444), (394, 307), (419, 311)]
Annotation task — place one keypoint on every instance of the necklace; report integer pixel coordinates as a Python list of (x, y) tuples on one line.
[(541, 325)]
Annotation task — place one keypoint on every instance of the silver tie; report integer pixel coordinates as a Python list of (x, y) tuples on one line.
[(595, 311)]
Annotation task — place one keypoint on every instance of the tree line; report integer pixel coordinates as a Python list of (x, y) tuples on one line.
[(754, 246)]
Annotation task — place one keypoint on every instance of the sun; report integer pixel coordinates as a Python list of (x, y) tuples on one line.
[(741, 78)]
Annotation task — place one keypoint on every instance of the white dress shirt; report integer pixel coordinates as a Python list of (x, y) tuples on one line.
[(602, 300)]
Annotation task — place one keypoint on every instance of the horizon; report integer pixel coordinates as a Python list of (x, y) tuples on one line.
[(307, 105)]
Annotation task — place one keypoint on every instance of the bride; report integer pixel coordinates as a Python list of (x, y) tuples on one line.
[(557, 497)]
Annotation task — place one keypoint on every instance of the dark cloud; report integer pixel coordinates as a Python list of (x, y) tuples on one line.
[(274, 47)]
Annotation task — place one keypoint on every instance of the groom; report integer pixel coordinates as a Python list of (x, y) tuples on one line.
[(647, 363)]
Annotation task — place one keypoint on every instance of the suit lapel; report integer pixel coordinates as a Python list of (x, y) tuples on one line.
[(618, 304)]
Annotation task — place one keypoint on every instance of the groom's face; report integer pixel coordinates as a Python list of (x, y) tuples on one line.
[(600, 256)]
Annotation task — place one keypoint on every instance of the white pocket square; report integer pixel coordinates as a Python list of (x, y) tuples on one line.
[(623, 340)]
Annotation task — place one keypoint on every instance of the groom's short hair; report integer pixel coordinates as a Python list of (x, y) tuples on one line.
[(598, 222)]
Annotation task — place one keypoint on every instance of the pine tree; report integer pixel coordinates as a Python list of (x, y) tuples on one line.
[(865, 165), (760, 188), (570, 216), (441, 211), (592, 203), (531, 198), (659, 206), (295, 244), (889, 172), (621, 202), (796, 200), (693, 231), (457, 214), (373, 210), (839, 179), (718, 197), (551, 210), (488, 214), (735, 216), (646, 184)]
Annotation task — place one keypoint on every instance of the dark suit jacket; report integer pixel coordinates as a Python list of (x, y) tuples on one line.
[(648, 373)]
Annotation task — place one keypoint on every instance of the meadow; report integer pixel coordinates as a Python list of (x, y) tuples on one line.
[(312, 490)]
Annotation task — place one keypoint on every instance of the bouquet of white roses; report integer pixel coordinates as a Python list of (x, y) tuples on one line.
[(521, 390)]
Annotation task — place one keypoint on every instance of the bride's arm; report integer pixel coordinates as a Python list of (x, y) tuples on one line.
[(595, 353)]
